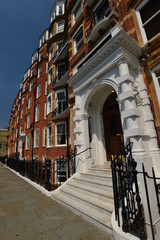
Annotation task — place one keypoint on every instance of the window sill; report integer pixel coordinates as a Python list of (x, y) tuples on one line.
[(62, 145)]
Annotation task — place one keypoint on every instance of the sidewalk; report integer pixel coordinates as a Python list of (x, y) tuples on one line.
[(27, 214)]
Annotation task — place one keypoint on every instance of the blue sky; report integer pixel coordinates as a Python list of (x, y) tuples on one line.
[(21, 24)]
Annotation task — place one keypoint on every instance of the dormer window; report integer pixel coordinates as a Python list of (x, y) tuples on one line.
[(60, 10), (57, 10), (148, 14)]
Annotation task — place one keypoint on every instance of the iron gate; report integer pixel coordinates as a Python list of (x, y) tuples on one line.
[(126, 194)]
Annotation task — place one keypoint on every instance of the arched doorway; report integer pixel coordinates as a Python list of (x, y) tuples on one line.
[(112, 127)]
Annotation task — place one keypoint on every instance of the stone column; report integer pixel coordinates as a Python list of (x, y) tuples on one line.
[(83, 161), (149, 123), (129, 114)]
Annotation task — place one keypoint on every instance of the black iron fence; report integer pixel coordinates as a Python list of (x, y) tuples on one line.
[(49, 173), (129, 210)]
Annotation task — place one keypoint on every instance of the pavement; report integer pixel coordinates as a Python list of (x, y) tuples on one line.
[(28, 214)]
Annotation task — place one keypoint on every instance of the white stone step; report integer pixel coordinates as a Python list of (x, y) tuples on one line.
[(93, 202), (99, 171), (91, 195), (102, 176), (92, 191), (101, 184), (98, 218), (106, 165)]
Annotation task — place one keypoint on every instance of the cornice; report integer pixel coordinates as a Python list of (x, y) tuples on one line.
[(120, 40)]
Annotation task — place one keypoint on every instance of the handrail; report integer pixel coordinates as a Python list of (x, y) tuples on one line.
[(65, 160), (83, 151)]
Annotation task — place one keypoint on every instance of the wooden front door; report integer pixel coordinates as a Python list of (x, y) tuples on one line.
[(112, 127)]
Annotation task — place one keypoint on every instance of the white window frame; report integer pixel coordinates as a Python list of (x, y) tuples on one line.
[(45, 110), (74, 40), (38, 90), (56, 96), (37, 113), (49, 105), (41, 55), (18, 119), (36, 139), (16, 132), (30, 86), (22, 112), (28, 121), (24, 86), (60, 30), (27, 141), (32, 71), (20, 129), (49, 136), (155, 80), (44, 137), (30, 102), (79, 8), (58, 123), (23, 99), (40, 71), (141, 5), (46, 85), (50, 75), (51, 52)]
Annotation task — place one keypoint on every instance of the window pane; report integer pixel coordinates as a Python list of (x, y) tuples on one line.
[(149, 9), (60, 128), (60, 96), (77, 12), (60, 27), (152, 27), (61, 139)]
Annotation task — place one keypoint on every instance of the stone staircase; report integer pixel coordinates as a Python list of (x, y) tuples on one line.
[(90, 194)]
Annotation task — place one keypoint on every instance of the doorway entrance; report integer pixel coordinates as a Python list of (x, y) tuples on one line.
[(112, 127)]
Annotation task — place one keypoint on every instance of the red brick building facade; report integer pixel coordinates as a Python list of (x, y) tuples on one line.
[(41, 122)]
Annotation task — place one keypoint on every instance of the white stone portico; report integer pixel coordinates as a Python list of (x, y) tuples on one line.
[(115, 67)]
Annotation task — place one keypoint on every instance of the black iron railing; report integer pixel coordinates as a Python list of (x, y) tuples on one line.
[(101, 14), (60, 75), (126, 194), (62, 106), (59, 49), (127, 197)]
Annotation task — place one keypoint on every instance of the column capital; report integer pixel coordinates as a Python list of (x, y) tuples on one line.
[(122, 61)]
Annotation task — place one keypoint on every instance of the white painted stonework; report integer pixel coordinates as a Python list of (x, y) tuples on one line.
[(116, 67)]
